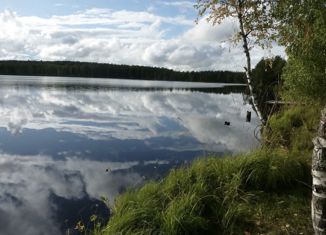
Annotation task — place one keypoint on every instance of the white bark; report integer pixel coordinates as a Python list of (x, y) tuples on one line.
[(318, 203), (244, 36)]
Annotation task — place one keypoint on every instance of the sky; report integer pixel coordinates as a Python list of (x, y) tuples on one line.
[(136, 32)]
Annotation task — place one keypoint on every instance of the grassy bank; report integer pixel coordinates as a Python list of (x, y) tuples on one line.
[(255, 193), (262, 192)]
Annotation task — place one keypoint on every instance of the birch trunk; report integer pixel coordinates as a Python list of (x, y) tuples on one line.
[(318, 203), (244, 36)]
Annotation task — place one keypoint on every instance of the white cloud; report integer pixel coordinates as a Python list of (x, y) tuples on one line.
[(181, 4), (59, 5), (206, 32), (124, 37)]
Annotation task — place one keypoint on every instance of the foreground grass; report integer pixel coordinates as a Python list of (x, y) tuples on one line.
[(260, 193)]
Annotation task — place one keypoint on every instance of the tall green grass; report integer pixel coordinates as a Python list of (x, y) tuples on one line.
[(212, 196), (293, 128)]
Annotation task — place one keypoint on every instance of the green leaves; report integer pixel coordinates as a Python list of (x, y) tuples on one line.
[(255, 17), (302, 29)]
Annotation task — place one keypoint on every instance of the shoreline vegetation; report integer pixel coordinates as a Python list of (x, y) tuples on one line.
[(101, 70), (263, 192)]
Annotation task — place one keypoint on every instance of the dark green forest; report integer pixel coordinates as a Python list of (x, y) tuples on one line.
[(98, 70)]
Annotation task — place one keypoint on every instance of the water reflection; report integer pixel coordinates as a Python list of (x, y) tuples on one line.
[(62, 149), (32, 185)]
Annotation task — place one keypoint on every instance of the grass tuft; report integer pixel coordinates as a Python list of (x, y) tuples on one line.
[(212, 196), (293, 128)]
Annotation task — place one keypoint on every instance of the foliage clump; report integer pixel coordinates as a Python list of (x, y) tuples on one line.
[(302, 30), (293, 128), (267, 82)]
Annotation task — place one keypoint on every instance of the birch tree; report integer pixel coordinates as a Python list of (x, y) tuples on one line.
[(255, 26), (318, 203)]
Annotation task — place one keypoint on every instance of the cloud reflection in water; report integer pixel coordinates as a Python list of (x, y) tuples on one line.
[(125, 115), (28, 182)]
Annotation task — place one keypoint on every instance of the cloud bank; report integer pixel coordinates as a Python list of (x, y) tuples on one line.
[(123, 37)]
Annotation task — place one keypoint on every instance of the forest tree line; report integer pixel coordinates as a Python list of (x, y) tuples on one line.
[(99, 70)]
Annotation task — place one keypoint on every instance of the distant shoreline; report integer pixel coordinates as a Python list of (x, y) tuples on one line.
[(82, 83), (100, 70)]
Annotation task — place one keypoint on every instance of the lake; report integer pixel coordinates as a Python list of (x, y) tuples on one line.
[(67, 142)]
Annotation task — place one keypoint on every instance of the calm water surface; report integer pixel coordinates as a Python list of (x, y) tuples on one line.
[(66, 142)]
